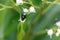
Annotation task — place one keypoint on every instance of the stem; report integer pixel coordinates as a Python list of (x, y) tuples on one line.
[(4, 7), (30, 2), (21, 32), (15, 7)]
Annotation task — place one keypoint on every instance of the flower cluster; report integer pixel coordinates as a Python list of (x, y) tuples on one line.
[(25, 10), (30, 10), (50, 31)]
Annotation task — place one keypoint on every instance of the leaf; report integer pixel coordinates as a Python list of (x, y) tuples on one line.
[(46, 22), (9, 22)]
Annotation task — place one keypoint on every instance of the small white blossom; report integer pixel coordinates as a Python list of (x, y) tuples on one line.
[(25, 10), (32, 9), (58, 30), (50, 33), (57, 34), (19, 2), (58, 23)]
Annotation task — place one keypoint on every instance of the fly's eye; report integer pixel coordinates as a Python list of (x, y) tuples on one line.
[(23, 17)]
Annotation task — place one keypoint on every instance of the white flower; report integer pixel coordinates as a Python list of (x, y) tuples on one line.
[(19, 2), (25, 10), (57, 34), (58, 30), (32, 9), (50, 33), (58, 23)]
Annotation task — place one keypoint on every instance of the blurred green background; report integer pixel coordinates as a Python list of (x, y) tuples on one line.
[(35, 25)]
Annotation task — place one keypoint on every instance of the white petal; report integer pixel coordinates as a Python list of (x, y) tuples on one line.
[(50, 33), (57, 34), (58, 30), (19, 2), (32, 9), (25, 10), (58, 23)]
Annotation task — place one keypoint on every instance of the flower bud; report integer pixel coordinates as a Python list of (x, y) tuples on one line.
[(50, 33), (19, 2), (32, 10)]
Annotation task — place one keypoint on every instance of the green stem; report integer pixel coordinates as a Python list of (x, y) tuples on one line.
[(21, 32), (30, 2), (5, 6), (15, 7)]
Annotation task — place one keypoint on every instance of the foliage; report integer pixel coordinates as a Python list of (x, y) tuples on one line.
[(36, 25)]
